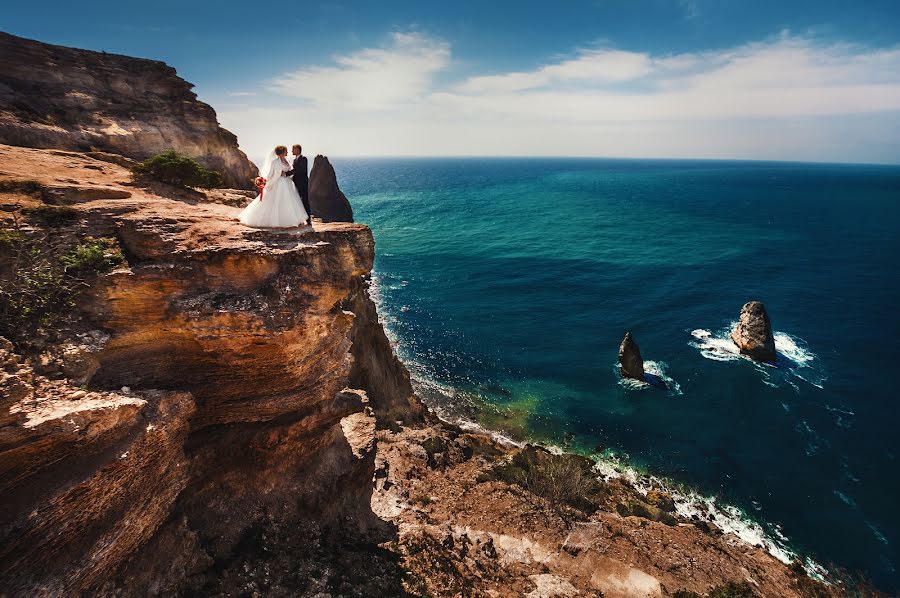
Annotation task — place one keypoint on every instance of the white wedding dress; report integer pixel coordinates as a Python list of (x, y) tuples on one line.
[(279, 205)]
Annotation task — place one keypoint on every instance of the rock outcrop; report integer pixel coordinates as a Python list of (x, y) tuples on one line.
[(57, 97), (630, 360), (753, 333), (470, 522), (219, 371), (326, 200)]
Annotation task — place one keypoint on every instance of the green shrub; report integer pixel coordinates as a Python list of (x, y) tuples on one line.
[(561, 479), (52, 215), (179, 170), (93, 256), (9, 240), (32, 188), (40, 279), (434, 445)]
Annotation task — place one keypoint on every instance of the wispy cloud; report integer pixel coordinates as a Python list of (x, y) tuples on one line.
[(589, 66), (783, 77), (799, 90), (373, 78)]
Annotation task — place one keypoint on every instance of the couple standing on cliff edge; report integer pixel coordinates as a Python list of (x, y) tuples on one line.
[(286, 192)]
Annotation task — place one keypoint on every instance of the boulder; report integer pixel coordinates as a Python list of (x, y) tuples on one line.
[(753, 334), (630, 358), (661, 500), (326, 201)]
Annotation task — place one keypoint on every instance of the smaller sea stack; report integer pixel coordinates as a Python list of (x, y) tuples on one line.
[(753, 334), (326, 201), (630, 358)]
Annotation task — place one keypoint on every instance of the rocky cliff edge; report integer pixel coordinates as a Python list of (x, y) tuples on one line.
[(219, 378), (67, 98)]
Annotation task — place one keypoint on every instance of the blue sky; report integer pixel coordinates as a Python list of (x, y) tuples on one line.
[(766, 79)]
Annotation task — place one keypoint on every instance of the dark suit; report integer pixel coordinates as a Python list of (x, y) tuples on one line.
[(301, 180)]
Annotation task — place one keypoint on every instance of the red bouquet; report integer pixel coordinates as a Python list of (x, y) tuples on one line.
[(260, 183)]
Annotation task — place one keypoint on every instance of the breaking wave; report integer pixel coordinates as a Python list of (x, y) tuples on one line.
[(694, 506), (654, 377), (794, 359)]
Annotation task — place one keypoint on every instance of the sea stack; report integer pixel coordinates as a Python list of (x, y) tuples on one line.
[(753, 334), (326, 200), (630, 358)]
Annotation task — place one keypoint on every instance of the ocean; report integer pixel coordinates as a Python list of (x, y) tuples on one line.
[(507, 285)]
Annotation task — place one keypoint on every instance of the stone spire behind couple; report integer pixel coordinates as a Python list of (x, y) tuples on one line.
[(284, 200)]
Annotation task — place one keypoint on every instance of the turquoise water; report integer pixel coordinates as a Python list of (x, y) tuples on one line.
[(508, 284)]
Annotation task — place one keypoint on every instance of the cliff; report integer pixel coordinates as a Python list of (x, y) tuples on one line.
[(58, 97), (216, 380)]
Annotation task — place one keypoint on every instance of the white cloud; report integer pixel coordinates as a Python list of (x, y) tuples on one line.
[(371, 79), (591, 66), (784, 77), (801, 92)]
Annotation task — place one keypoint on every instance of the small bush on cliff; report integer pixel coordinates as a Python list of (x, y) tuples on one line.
[(561, 479), (32, 188), (52, 215), (40, 278), (93, 256), (179, 170)]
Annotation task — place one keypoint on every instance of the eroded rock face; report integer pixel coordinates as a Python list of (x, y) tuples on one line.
[(753, 334), (222, 367), (87, 477), (630, 359), (58, 97), (326, 200)]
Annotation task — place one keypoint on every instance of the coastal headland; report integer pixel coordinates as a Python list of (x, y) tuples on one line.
[(216, 410)]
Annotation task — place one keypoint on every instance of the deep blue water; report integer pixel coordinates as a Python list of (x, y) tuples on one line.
[(510, 282)]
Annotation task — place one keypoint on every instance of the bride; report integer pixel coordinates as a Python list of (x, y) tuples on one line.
[(278, 205)]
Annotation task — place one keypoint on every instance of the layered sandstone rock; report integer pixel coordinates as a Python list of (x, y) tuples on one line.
[(58, 97), (227, 376), (630, 360), (326, 200), (753, 333)]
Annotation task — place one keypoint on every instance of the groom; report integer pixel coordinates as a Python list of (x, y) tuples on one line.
[(301, 178)]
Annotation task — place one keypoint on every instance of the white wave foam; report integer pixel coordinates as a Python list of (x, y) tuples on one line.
[(655, 369), (691, 505), (790, 348), (715, 348), (794, 359)]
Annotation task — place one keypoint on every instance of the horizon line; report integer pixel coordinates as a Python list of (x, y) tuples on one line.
[(623, 158)]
